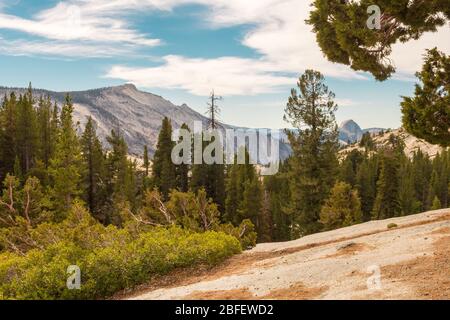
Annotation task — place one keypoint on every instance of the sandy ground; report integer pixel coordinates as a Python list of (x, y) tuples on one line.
[(367, 261)]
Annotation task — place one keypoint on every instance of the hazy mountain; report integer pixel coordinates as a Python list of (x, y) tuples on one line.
[(137, 114), (350, 131)]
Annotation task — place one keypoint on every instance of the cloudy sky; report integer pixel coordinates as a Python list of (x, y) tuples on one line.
[(251, 52)]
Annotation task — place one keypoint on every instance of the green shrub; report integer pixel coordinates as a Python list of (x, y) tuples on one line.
[(392, 225), (111, 266)]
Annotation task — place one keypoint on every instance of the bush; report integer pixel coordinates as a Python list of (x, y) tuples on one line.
[(245, 232), (108, 268), (342, 208), (392, 225)]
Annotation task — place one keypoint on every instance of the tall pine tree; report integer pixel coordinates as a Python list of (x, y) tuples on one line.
[(94, 170), (66, 164), (163, 168), (314, 162)]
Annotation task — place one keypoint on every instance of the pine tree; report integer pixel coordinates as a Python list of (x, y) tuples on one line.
[(252, 200), (342, 208), (95, 166), (65, 166), (349, 167), (366, 180), (441, 167), (344, 37), (182, 170), (422, 168), (27, 131), (8, 136), (314, 161), (121, 180), (436, 204), (210, 177), (277, 187), (367, 142), (433, 189), (265, 222), (163, 168), (387, 203), (233, 195), (239, 179), (407, 193), (427, 114), (47, 134), (146, 161)]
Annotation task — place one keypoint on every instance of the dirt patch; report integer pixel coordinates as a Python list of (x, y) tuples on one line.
[(349, 249), (429, 275), (236, 294), (294, 292), (444, 230)]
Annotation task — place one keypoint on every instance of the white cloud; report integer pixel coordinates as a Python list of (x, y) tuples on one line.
[(346, 102), (76, 21), (408, 57), (62, 49), (285, 42), (278, 33), (230, 75)]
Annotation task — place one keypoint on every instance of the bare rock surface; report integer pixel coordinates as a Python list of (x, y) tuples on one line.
[(412, 260)]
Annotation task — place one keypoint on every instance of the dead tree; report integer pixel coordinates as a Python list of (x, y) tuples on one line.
[(213, 110)]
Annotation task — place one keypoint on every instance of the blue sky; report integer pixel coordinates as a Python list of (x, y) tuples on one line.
[(250, 52)]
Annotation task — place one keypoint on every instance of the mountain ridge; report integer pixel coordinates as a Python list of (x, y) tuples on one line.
[(138, 115)]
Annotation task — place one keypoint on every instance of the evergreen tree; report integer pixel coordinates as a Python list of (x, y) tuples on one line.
[(367, 142), (422, 168), (314, 161), (433, 190), (121, 180), (427, 114), (182, 170), (407, 193), (277, 187), (94, 173), (366, 181), (210, 177), (65, 166), (27, 131), (349, 167), (47, 133), (441, 165), (265, 222), (387, 203), (8, 136), (344, 37), (146, 161), (239, 179), (436, 204), (233, 195), (163, 169), (251, 205), (342, 208)]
